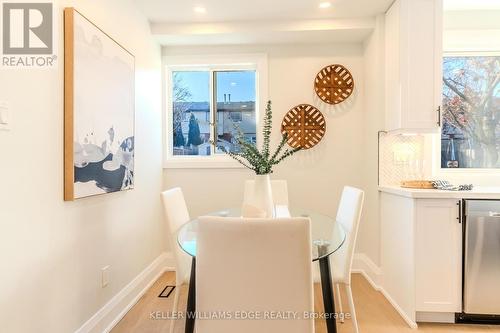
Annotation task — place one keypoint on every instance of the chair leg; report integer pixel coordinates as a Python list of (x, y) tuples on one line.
[(353, 310), (174, 308), (341, 312)]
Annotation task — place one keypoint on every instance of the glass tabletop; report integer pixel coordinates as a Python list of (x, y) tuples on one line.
[(327, 235)]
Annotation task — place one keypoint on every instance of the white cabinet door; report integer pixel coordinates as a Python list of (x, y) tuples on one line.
[(413, 65), (438, 255)]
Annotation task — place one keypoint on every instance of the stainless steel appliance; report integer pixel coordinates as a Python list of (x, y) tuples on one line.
[(481, 258)]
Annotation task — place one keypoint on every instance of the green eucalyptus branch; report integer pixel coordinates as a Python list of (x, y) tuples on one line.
[(250, 157), (248, 147), (286, 154), (268, 124), (284, 139)]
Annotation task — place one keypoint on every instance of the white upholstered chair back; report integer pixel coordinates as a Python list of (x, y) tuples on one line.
[(177, 214), (279, 190), (254, 266), (348, 215)]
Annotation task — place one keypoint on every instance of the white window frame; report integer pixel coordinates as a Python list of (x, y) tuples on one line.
[(257, 62), (436, 139)]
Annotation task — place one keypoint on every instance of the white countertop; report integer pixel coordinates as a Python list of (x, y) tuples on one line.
[(478, 192)]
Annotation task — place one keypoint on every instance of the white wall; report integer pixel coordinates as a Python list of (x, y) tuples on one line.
[(52, 252), (471, 31), (369, 230), (315, 177)]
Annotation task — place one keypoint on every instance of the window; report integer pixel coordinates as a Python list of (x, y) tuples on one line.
[(207, 103), (470, 135), (234, 92)]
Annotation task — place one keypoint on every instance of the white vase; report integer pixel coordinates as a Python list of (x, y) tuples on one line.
[(263, 196)]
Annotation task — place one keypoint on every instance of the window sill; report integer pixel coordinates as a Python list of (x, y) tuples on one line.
[(201, 163)]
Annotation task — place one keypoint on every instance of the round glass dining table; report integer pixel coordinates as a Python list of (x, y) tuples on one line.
[(327, 237)]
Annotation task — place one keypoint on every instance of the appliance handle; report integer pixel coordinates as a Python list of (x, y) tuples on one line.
[(460, 211), (494, 214)]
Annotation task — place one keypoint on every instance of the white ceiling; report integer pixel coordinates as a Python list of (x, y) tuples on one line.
[(175, 22), (264, 32), (182, 11)]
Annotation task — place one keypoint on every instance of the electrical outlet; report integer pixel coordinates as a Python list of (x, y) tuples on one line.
[(105, 276)]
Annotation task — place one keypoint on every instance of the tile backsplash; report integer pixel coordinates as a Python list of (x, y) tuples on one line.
[(403, 157)]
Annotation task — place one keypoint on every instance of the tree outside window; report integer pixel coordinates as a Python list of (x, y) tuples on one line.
[(470, 135), (190, 112), (181, 96)]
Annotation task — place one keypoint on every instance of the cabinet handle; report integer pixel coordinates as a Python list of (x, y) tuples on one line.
[(439, 116), (459, 218)]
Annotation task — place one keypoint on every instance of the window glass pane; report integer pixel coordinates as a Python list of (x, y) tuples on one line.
[(235, 92), (191, 113), (470, 136)]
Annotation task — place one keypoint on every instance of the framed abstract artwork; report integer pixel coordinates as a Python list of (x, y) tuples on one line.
[(99, 115)]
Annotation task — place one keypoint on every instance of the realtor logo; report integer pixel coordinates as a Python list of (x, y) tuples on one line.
[(28, 37)]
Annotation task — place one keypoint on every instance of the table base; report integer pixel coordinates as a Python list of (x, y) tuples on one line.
[(328, 299)]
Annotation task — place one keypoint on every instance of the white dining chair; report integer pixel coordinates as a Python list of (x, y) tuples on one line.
[(279, 189), (348, 215), (177, 214), (254, 267)]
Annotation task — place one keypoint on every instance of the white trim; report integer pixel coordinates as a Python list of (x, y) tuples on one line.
[(365, 266), (113, 311), (373, 274), (367, 277), (471, 53), (196, 162), (257, 62), (396, 307)]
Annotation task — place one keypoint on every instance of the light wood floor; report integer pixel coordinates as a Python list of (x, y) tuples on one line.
[(375, 314)]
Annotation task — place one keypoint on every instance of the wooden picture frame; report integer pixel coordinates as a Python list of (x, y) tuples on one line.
[(99, 110)]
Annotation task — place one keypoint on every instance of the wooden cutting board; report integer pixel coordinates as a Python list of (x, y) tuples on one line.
[(418, 184)]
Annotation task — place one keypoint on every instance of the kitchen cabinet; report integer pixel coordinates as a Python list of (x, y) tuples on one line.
[(413, 65), (438, 255), (421, 250), (421, 256)]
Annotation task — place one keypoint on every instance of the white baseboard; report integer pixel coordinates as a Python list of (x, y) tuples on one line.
[(112, 312), (398, 309), (365, 266), (373, 274)]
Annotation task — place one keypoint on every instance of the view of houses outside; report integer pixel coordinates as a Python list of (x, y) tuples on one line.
[(470, 136), (235, 107), (192, 118)]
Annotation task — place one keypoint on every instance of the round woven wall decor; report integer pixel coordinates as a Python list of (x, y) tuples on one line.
[(305, 126), (334, 84)]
